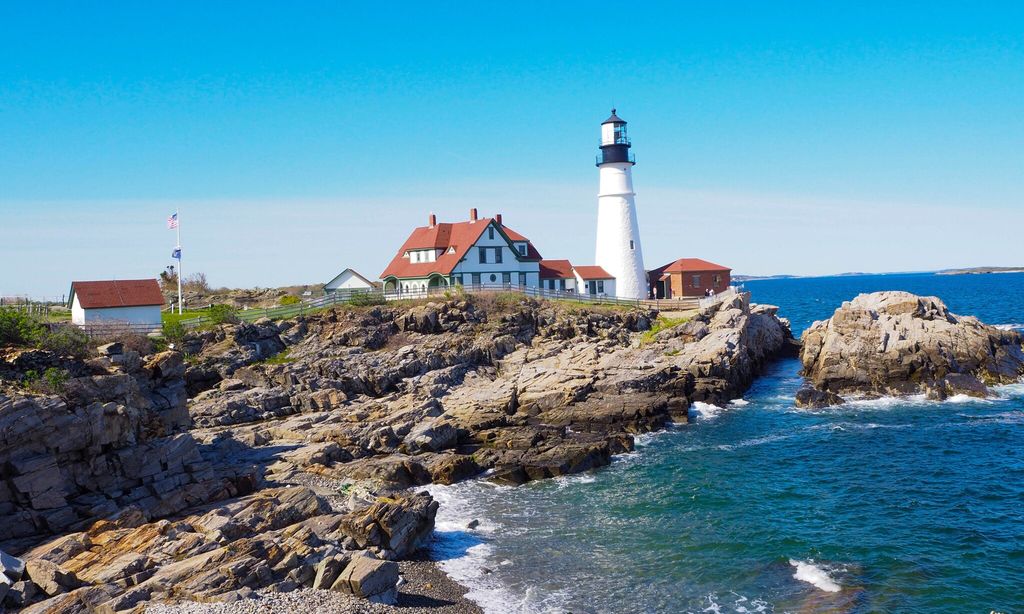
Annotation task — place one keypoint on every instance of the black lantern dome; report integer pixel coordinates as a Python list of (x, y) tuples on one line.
[(614, 141)]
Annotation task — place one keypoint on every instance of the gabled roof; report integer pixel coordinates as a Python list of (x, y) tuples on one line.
[(592, 272), (349, 270), (116, 293), (455, 239), (556, 269), (685, 265)]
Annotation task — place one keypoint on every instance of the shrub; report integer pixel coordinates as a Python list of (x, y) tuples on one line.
[(223, 314), (365, 299), (289, 299), (18, 327), (173, 331), (66, 340), (136, 343)]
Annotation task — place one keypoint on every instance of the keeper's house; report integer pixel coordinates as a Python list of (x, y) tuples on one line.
[(689, 277), (125, 301), (478, 252)]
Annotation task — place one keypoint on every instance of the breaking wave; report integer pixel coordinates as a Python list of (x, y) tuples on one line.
[(808, 571)]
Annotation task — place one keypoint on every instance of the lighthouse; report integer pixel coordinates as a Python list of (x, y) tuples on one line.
[(618, 234)]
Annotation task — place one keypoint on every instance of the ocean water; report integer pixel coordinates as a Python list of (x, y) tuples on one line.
[(892, 505)]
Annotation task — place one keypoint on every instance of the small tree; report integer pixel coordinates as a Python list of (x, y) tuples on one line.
[(169, 280), (196, 282), (289, 299)]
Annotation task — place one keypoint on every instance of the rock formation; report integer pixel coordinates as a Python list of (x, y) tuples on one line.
[(293, 470), (896, 343)]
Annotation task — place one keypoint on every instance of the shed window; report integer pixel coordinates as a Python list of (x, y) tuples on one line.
[(696, 281)]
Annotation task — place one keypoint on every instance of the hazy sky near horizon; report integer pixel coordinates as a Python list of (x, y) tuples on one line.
[(302, 138)]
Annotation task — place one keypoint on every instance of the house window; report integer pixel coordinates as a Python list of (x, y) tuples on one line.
[(600, 287), (561, 284), (506, 278), (483, 255), (497, 255), (522, 279), (718, 279), (696, 281), (631, 245), (522, 249), (494, 277), (476, 279), (490, 233)]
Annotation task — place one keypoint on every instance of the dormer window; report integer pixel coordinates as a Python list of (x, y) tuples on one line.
[(522, 248)]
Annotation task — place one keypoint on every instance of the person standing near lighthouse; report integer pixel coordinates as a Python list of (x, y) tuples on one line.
[(618, 233)]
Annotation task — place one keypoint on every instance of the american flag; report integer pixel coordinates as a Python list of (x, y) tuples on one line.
[(172, 222)]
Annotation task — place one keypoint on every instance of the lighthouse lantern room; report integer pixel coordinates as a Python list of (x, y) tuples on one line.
[(618, 233)]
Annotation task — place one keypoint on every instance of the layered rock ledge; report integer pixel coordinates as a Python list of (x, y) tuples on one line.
[(897, 343), (296, 462)]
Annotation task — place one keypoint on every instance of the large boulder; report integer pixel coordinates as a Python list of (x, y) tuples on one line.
[(894, 343)]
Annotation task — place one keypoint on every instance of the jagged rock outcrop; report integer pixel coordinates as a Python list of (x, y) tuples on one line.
[(443, 391), (284, 538), (319, 446), (894, 343)]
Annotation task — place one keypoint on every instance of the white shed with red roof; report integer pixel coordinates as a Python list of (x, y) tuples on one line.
[(128, 301)]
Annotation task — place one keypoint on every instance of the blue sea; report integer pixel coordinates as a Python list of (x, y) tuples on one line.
[(891, 505)]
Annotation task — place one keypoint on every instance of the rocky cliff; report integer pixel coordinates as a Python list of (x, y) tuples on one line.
[(319, 426), (895, 343)]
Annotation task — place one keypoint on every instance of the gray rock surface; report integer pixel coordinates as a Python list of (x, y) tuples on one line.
[(894, 343)]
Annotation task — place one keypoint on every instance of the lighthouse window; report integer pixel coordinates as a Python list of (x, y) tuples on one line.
[(631, 245)]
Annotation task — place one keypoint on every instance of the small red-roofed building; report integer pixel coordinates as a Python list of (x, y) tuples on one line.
[(126, 301), (557, 275), (689, 277), (594, 280), (477, 252)]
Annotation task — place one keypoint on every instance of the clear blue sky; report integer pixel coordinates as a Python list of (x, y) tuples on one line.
[(301, 138)]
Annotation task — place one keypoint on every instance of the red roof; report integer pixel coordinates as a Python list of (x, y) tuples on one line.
[(555, 269), (459, 235), (592, 272), (686, 265), (117, 293)]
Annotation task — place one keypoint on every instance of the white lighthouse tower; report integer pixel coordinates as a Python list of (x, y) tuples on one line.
[(618, 234)]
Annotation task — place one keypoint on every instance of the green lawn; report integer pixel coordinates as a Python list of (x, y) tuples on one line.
[(187, 315)]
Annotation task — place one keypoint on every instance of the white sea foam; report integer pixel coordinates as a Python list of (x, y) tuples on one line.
[(739, 402), (740, 604), (703, 412), (1009, 326), (808, 571)]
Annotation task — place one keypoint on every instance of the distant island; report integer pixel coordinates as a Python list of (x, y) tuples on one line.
[(978, 270)]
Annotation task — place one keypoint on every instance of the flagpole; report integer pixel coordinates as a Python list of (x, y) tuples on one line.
[(177, 228)]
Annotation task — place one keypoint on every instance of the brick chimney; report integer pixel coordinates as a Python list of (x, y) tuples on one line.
[(472, 214), (497, 218), (433, 220)]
